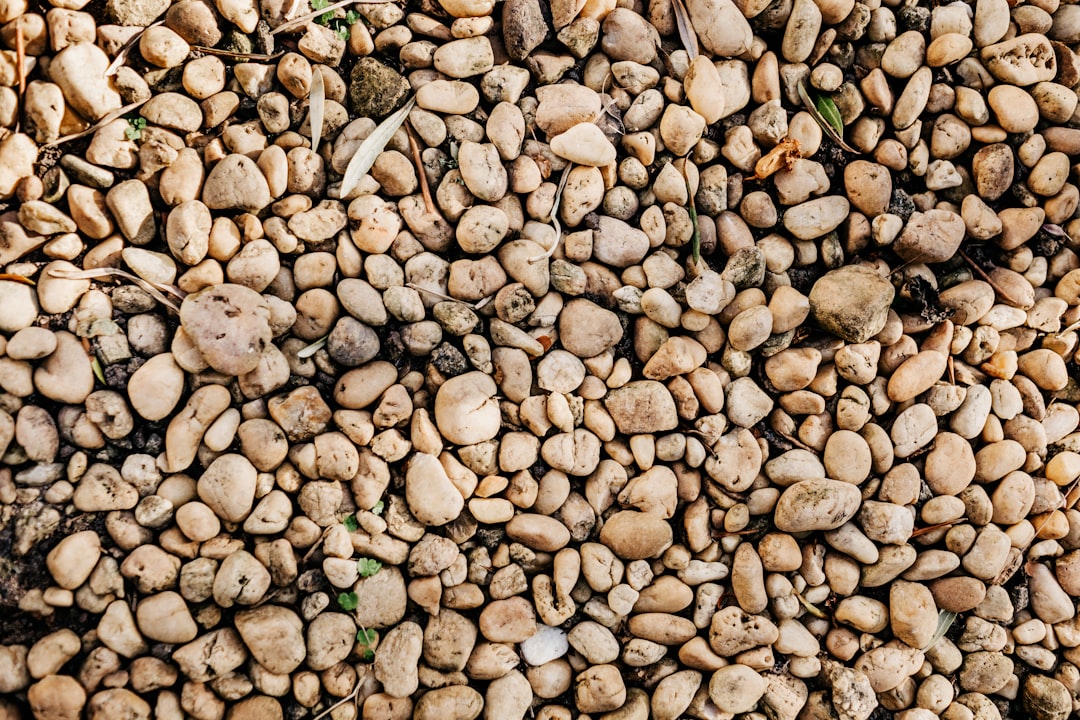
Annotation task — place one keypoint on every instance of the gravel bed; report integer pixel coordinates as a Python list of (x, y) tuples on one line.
[(568, 359)]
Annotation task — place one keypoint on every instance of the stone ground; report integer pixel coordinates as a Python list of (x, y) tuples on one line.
[(570, 359)]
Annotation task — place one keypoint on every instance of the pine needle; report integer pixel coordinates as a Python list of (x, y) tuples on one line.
[(373, 145), (253, 57), (317, 108), (686, 28)]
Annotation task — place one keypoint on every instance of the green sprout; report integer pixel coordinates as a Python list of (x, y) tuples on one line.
[(135, 127), (340, 26), (368, 567), (379, 507), (351, 524), (366, 638), (348, 601)]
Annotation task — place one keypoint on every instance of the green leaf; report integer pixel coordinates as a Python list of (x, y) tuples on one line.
[(352, 17), (379, 507), (343, 32), (695, 239), (829, 125), (95, 365), (350, 524), (135, 127), (368, 567), (325, 18), (319, 4), (828, 110), (348, 601), (365, 637)]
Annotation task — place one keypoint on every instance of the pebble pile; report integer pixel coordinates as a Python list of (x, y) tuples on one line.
[(674, 359)]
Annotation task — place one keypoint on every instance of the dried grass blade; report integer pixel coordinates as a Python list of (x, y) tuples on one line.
[(293, 24), (373, 144), (316, 109), (555, 217), (122, 55), (686, 28), (824, 123), (94, 128), (156, 290)]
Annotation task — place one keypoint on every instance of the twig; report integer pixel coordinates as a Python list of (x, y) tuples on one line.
[(289, 25), (257, 57), (918, 532), (20, 54), (94, 128), (997, 288), (420, 169)]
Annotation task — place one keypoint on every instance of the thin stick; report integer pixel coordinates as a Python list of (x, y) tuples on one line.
[(420, 169), (987, 278), (94, 128), (20, 53), (257, 57)]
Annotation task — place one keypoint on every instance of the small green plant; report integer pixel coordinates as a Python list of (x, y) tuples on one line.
[(368, 567), (351, 524), (348, 601), (135, 127), (366, 638), (339, 25), (379, 507)]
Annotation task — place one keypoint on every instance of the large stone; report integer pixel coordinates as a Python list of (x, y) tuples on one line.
[(644, 406), (230, 326), (852, 302), (375, 90)]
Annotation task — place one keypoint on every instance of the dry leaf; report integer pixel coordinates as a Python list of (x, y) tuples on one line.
[(316, 108), (781, 157), (686, 28), (369, 150)]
